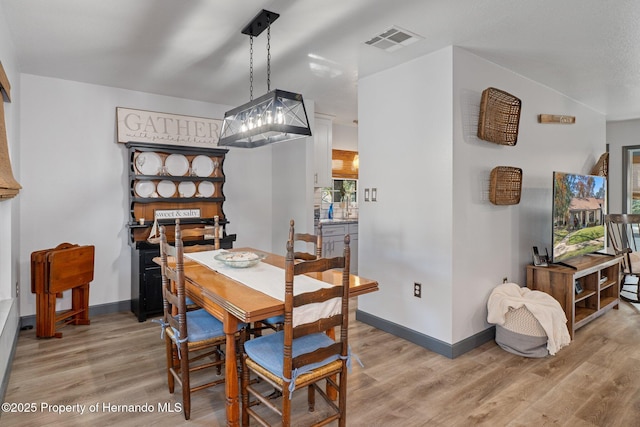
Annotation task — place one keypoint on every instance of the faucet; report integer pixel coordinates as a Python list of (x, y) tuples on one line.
[(349, 212)]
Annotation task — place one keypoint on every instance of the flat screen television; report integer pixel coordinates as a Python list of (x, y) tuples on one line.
[(578, 215)]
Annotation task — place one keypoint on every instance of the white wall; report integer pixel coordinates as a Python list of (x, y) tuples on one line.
[(345, 137), (9, 218), (75, 179), (491, 242), (619, 134), (292, 189), (433, 222), (405, 145)]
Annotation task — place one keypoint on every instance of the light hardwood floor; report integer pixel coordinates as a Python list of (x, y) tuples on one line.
[(118, 361)]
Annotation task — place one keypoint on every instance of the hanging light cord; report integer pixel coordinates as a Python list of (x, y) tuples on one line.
[(268, 61), (250, 68), (268, 54)]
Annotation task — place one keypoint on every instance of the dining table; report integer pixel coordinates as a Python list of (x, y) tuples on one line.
[(234, 302)]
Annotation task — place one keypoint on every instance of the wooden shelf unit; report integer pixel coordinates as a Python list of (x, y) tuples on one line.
[(146, 280), (145, 207), (599, 277)]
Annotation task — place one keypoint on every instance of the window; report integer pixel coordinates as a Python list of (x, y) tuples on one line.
[(345, 188), (631, 185)]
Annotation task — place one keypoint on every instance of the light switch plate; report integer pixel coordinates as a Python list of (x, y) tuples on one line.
[(374, 194), (366, 194)]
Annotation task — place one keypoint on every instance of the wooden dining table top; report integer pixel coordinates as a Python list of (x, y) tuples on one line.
[(215, 292)]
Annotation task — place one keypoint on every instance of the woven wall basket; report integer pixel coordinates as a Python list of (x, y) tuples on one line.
[(499, 117), (505, 185)]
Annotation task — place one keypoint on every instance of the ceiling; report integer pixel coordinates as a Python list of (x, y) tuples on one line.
[(586, 49)]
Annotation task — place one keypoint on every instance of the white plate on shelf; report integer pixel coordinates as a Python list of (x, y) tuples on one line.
[(177, 165), (145, 188), (148, 163), (202, 166), (206, 189), (166, 188), (186, 189)]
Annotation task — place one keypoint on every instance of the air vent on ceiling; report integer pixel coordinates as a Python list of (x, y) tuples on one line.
[(393, 39)]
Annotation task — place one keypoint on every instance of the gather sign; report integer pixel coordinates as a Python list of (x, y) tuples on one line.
[(168, 129)]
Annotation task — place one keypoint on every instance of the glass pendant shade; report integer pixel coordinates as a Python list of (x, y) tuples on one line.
[(274, 117)]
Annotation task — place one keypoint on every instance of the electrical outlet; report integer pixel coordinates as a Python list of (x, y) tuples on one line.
[(504, 279), (417, 290)]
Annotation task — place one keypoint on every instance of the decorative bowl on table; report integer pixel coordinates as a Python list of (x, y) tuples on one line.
[(240, 259)]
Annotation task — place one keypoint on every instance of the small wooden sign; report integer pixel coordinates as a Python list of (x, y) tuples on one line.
[(177, 213), (167, 129), (553, 118)]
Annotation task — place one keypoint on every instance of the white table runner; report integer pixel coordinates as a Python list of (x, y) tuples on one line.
[(270, 280)]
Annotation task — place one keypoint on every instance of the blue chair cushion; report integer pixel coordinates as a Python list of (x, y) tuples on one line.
[(268, 351), (202, 326), (188, 301), (274, 320)]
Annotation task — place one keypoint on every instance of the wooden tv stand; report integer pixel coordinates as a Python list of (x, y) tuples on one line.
[(597, 275)]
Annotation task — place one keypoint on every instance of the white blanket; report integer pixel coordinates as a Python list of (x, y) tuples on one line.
[(542, 305), (269, 280)]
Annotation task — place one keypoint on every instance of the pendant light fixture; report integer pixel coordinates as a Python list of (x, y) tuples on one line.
[(274, 117)]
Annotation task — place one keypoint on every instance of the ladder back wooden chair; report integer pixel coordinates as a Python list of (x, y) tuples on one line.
[(277, 322), (200, 234), (193, 337), (302, 354), (208, 232), (623, 232), (313, 239)]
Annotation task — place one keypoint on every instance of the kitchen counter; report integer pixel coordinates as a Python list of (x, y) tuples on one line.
[(338, 221)]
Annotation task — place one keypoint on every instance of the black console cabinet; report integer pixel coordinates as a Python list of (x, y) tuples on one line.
[(146, 281)]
